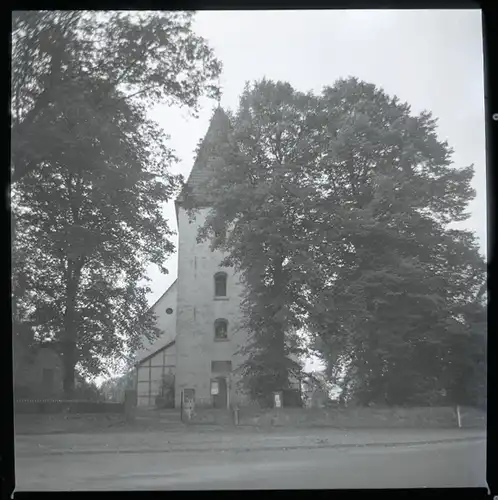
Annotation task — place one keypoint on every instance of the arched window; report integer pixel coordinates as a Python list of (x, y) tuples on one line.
[(221, 329), (220, 285)]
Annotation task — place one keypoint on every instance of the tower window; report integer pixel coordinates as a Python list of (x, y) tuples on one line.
[(221, 366), (221, 329), (220, 285)]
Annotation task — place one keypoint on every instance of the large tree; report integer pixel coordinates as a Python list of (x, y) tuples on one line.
[(149, 57), (259, 189), (90, 172), (395, 305), (340, 210)]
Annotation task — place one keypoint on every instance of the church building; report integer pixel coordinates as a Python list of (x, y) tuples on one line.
[(199, 315)]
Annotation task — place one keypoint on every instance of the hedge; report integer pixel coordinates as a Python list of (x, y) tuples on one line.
[(51, 406)]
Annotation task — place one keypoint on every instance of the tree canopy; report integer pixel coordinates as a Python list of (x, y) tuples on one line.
[(338, 211), (90, 171)]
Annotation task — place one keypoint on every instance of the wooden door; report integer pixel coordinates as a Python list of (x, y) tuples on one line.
[(220, 400)]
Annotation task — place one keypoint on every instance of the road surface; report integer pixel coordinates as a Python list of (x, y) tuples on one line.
[(459, 464)]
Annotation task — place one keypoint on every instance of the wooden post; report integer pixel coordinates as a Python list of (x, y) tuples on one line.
[(181, 406), (150, 384), (227, 383), (459, 417)]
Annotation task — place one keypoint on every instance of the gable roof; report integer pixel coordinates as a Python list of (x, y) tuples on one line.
[(202, 169), (162, 296), (164, 339), (152, 354)]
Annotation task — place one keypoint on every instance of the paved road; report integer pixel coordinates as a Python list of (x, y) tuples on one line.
[(233, 439), (459, 464)]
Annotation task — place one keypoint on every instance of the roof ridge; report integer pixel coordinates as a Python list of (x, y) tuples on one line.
[(167, 290), (200, 172), (152, 354)]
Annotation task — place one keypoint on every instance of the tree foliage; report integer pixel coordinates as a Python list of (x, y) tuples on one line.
[(141, 58), (90, 171), (407, 272), (257, 206), (348, 200), (87, 390)]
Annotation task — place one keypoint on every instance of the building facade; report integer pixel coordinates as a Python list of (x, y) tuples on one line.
[(155, 363), (205, 323), (208, 321), (201, 331), (37, 372), (155, 378)]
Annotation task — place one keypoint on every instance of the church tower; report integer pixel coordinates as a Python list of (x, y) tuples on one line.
[(208, 304)]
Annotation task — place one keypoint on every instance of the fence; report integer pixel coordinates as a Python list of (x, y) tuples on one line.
[(53, 406), (361, 417), (468, 417), (416, 418)]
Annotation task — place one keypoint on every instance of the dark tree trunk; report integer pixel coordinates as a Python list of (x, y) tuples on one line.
[(282, 378), (69, 364), (69, 343)]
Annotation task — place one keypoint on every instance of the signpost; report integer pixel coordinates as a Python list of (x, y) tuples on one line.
[(277, 399), (188, 403), (215, 388)]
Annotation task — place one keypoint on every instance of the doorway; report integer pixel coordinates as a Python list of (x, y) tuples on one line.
[(220, 400)]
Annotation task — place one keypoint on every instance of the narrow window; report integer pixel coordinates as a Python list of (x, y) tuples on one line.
[(220, 285), (221, 329)]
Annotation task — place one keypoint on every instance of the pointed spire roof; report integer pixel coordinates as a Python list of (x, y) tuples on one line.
[(217, 133)]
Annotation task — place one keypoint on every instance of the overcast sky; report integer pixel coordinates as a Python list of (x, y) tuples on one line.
[(431, 59)]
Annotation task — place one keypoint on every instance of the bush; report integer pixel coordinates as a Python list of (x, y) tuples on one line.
[(292, 398), (22, 392)]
